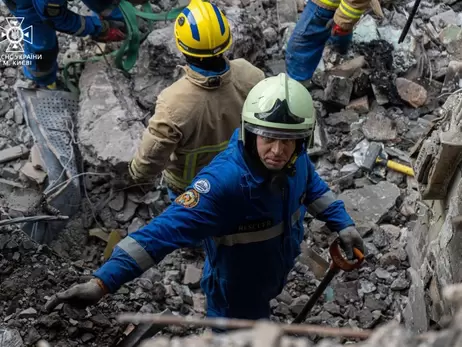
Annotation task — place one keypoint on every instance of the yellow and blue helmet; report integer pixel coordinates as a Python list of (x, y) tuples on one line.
[(202, 30)]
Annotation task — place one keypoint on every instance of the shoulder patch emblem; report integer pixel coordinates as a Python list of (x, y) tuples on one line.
[(188, 199), (202, 186)]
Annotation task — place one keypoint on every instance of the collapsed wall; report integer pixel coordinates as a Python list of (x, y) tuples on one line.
[(434, 244)]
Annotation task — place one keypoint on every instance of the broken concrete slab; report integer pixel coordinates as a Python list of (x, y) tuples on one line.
[(442, 20), (365, 30), (411, 92), (342, 120), (37, 176), (13, 153), (24, 201), (453, 78), (192, 276), (415, 312), (109, 120), (36, 158), (338, 90), (368, 205), (286, 11), (360, 105), (349, 68), (10, 337), (379, 127), (380, 97)]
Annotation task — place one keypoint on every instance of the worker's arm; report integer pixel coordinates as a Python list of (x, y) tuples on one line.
[(159, 141), (349, 12), (322, 204), (56, 14), (183, 224)]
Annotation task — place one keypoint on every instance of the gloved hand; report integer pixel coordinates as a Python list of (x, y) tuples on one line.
[(340, 38), (109, 33), (349, 239), (80, 295)]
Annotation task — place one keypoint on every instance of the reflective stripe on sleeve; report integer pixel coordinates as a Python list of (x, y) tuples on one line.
[(137, 252), (349, 11), (320, 204), (332, 4), (82, 26), (250, 237)]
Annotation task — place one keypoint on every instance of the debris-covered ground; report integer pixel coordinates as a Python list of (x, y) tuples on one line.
[(381, 91)]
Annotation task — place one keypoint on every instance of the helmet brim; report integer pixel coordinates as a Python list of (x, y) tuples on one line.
[(279, 134)]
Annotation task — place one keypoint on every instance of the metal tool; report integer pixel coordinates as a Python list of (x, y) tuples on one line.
[(373, 157), (409, 21), (338, 263), (317, 264)]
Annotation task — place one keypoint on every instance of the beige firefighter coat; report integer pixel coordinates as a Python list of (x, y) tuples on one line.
[(347, 12), (193, 121)]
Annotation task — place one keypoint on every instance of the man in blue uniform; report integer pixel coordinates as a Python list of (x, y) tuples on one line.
[(48, 16), (248, 207)]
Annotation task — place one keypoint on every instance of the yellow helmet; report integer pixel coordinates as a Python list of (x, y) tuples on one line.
[(201, 30)]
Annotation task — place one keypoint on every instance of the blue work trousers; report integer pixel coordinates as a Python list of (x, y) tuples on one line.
[(44, 41), (307, 42)]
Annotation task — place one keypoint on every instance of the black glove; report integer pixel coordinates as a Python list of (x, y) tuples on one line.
[(110, 32), (349, 239), (80, 295)]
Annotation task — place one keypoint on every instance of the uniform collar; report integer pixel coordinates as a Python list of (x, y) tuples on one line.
[(207, 82)]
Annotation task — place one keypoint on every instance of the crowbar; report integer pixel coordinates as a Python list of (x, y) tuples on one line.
[(338, 263)]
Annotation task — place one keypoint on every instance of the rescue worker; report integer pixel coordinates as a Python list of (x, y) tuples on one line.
[(248, 207), (321, 20), (195, 116), (45, 17)]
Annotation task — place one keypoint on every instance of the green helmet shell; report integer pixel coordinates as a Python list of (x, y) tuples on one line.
[(279, 107)]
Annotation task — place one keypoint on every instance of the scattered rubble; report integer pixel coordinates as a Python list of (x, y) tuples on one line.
[(379, 91)]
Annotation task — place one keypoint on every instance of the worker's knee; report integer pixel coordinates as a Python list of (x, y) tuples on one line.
[(306, 44), (312, 25), (40, 63)]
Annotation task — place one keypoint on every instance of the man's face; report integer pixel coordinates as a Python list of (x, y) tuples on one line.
[(274, 154)]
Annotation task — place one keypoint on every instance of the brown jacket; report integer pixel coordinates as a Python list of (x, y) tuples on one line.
[(347, 12), (194, 119)]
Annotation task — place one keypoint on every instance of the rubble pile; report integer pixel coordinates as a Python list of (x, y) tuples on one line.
[(270, 334), (380, 91)]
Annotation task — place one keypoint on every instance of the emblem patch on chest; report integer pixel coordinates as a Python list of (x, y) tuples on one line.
[(188, 199)]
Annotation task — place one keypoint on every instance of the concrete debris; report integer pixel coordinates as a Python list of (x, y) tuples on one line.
[(360, 105), (366, 30), (338, 90), (36, 159), (379, 91), (38, 176), (13, 153), (10, 338), (453, 78), (369, 205), (411, 92), (379, 127), (109, 121)]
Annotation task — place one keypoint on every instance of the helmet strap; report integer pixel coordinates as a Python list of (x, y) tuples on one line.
[(215, 64)]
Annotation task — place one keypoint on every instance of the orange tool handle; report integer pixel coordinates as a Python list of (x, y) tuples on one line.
[(339, 261)]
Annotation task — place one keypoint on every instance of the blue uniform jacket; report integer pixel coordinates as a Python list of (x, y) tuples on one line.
[(252, 235), (57, 15)]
